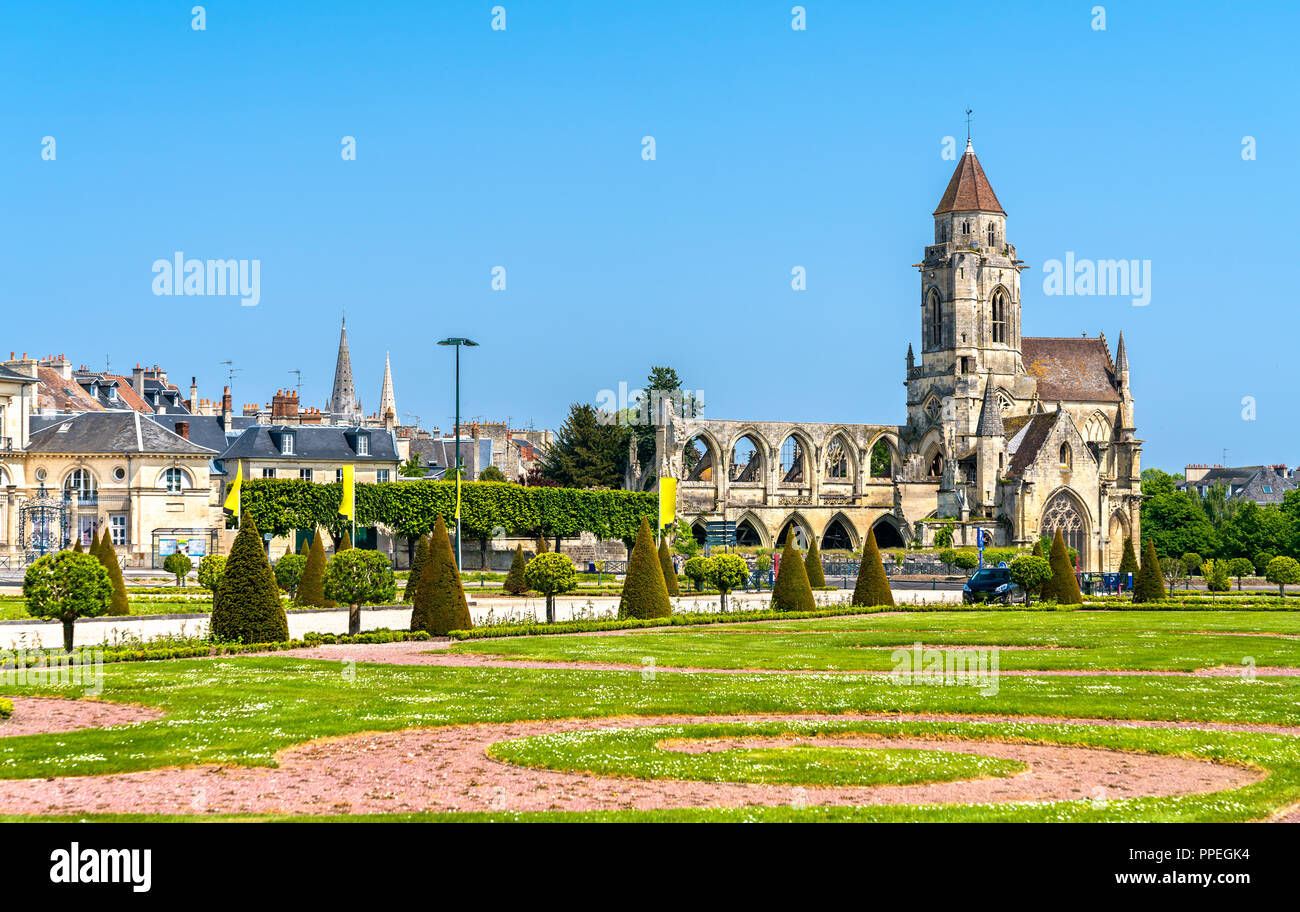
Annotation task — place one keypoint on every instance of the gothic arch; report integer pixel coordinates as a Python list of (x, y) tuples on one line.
[(932, 449), (761, 537), (840, 525), (746, 473), (709, 460), (888, 532), (803, 530), (1097, 428), (1064, 510), (1119, 529), (895, 454), (839, 454), (931, 318), (1000, 309), (803, 451)]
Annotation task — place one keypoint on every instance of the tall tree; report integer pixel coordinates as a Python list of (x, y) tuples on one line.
[(588, 452)]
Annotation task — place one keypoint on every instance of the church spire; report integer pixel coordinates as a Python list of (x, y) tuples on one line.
[(343, 402), (969, 189), (386, 401), (990, 424)]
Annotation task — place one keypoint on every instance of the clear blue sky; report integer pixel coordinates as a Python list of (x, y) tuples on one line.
[(522, 148)]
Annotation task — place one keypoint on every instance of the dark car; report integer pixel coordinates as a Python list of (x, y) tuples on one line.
[(992, 584)]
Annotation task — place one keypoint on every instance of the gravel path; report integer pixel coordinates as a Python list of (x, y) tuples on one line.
[(44, 715)]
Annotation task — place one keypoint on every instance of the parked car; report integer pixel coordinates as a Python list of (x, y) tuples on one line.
[(992, 584)]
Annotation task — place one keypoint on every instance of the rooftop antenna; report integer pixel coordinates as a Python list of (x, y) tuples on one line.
[(298, 386), (411, 415), (231, 371)]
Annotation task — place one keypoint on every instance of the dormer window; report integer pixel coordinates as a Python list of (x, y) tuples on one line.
[(363, 444), (286, 444)]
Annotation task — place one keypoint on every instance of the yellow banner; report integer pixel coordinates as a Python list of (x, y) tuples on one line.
[(231, 506), (348, 505), (458, 474), (667, 501)]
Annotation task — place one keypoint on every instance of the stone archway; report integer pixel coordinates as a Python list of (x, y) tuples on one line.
[(1064, 513), (1117, 532), (838, 535), (887, 534)]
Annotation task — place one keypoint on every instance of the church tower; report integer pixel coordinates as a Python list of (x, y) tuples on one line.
[(343, 405), (970, 319), (387, 402)]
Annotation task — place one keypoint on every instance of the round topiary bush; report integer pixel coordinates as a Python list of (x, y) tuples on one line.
[(247, 608), (551, 575), (726, 573), (178, 565), (356, 577), (288, 572), (694, 571), (65, 586), (1284, 571)]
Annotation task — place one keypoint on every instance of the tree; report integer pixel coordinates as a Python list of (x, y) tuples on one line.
[(551, 575), (642, 419), (1177, 525), (670, 571), (210, 570), (412, 468), (872, 588), (812, 565), (440, 605), (1193, 562), (1149, 586), (492, 473), (65, 586), (1065, 585), (695, 571), (725, 572), (1284, 571), (645, 593), (1030, 573), (356, 577), (516, 582), (684, 542), (792, 591), (247, 608), (178, 565), (1261, 560), (1239, 567), (1216, 575), (288, 572), (587, 451), (967, 560), (1128, 563), (107, 555), (417, 564), (1155, 482), (1173, 570), (311, 585), (948, 557)]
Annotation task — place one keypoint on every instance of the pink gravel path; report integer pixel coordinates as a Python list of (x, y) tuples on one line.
[(45, 715), (447, 769)]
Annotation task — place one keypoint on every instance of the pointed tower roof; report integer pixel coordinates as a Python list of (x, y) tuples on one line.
[(990, 413), (969, 188), (1121, 354), (343, 401), (386, 401)]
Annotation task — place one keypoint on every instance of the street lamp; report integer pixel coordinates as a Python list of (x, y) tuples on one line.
[(458, 342)]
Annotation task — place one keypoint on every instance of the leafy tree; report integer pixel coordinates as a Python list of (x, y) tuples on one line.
[(1155, 482), (948, 557), (1216, 575), (1254, 528), (812, 564), (684, 542), (1149, 585), (670, 571), (210, 570), (247, 607), (1129, 562), (967, 560), (440, 605), (1177, 525), (1173, 570), (178, 565), (1261, 560), (1239, 567), (311, 585), (882, 466), (724, 572), (288, 572), (1030, 573), (872, 588), (412, 468), (492, 473), (357, 577), (1193, 563), (695, 571), (516, 583), (792, 591), (65, 586), (1285, 571), (551, 575), (645, 593), (943, 538), (587, 451), (107, 555), (641, 420), (417, 564), (1065, 585)]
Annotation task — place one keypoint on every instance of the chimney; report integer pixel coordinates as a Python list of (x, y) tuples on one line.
[(1195, 472), (183, 428), (137, 380), (194, 394), (227, 410), (284, 406)]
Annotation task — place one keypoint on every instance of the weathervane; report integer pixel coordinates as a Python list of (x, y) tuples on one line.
[(968, 113)]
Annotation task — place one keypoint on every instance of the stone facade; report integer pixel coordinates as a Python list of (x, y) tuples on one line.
[(1020, 436)]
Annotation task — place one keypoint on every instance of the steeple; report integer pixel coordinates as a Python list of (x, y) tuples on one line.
[(969, 189), (1121, 359), (343, 403), (990, 423), (386, 401)]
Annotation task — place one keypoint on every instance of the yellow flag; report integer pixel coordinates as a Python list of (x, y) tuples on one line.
[(231, 506), (667, 501), (458, 474), (348, 505)]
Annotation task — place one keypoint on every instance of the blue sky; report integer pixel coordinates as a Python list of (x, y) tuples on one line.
[(775, 148)]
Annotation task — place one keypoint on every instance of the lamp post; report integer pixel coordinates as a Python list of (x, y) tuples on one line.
[(458, 342)]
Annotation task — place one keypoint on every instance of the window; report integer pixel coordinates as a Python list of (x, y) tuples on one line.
[(1268, 489), (1000, 316), (933, 320), (82, 483), (268, 473), (286, 445), (965, 228), (965, 364), (119, 474), (338, 476), (837, 460), (174, 480), (381, 475), (1065, 455), (993, 234), (117, 528), (363, 444), (304, 474)]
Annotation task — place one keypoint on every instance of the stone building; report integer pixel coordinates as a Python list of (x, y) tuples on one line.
[(1018, 435)]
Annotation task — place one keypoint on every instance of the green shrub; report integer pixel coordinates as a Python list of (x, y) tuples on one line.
[(943, 538), (792, 591), (1193, 563), (1217, 578), (967, 560), (1261, 562), (492, 473), (1065, 585), (1128, 563), (65, 586), (210, 570), (645, 593), (107, 555), (178, 565), (417, 564), (872, 588), (1030, 573), (516, 583), (288, 572), (695, 571), (1149, 585), (440, 605), (812, 565), (669, 571), (311, 584), (551, 575), (1240, 567), (354, 578), (247, 607), (948, 557), (726, 573), (1285, 571)]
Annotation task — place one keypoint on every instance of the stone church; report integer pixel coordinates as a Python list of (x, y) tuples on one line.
[(1019, 435)]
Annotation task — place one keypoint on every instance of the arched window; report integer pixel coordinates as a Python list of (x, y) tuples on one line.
[(746, 461), (792, 459), (837, 460), (965, 228), (174, 480), (1062, 514), (83, 484), (1065, 455), (1000, 315), (993, 234), (933, 320)]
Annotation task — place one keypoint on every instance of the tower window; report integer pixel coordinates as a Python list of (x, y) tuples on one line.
[(1000, 316), (933, 320), (965, 228), (993, 234)]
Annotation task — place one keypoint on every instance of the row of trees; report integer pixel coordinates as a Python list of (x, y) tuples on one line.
[(1214, 526)]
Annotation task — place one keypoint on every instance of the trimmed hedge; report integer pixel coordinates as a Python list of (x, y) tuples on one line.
[(812, 565), (1064, 584), (873, 585), (417, 565), (311, 584), (1129, 562), (514, 582), (107, 554), (1149, 584)]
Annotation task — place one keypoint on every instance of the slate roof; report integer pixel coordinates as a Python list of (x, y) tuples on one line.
[(111, 432), (331, 443), (205, 430), (7, 374), (1070, 369), (990, 424), (1027, 434), (969, 188), (441, 451), (63, 395)]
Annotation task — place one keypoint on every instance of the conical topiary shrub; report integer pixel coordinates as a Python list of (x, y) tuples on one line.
[(1129, 562), (1065, 585), (542, 547), (515, 583), (670, 572), (872, 588), (812, 565), (77, 549), (93, 548), (440, 604), (247, 608), (1038, 549), (311, 585), (120, 606), (645, 594), (1149, 585), (791, 591), (417, 564)]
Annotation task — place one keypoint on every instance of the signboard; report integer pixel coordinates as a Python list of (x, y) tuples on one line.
[(720, 533), (191, 547)]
